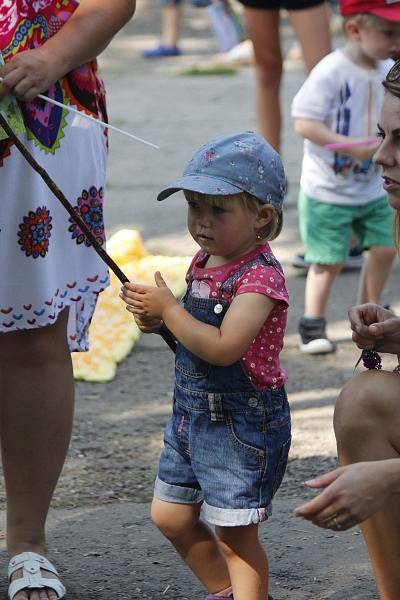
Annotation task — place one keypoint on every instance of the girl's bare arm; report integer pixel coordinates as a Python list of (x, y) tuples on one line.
[(221, 346)]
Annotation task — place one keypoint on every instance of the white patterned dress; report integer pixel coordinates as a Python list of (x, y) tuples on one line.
[(45, 262)]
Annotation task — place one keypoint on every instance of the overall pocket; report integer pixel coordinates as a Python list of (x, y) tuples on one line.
[(244, 430)]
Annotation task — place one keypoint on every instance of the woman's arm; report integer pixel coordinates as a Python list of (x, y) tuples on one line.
[(220, 346), (83, 37)]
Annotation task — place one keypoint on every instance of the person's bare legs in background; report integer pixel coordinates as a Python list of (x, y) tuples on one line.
[(171, 24), (311, 26), (171, 15)]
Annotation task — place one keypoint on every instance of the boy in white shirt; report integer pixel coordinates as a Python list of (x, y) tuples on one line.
[(342, 190)]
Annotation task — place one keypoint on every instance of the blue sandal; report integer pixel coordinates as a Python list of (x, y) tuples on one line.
[(161, 51)]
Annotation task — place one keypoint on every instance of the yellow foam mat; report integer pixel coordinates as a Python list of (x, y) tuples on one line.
[(113, 331)]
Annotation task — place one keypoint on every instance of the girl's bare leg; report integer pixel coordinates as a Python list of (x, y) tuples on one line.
[(36, 393), (194, 541), (311, 26), (367, 427), (374, 273), (263, 29), (247, 561)]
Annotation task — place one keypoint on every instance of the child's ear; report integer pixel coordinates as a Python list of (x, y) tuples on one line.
[(265, 216), (352, 29)]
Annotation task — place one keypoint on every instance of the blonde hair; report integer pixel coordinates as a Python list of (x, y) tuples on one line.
[(249, 202), (364, 20)]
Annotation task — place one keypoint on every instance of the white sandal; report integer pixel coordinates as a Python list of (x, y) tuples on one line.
[(31, 563)]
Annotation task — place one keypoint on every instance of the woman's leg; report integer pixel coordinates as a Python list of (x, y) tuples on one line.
[(37, 392), (367, 427), (194, 541), (311, 26), (263, 29), (247, 561)]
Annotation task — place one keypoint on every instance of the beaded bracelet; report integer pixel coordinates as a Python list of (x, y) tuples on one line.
[(372, 360)]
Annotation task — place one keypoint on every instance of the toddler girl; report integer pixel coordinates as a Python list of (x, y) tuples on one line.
[(227, 442)]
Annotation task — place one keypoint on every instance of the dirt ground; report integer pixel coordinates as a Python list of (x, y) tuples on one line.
[(100, 534)]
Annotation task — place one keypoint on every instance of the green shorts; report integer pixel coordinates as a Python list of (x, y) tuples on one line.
[(325, 228)]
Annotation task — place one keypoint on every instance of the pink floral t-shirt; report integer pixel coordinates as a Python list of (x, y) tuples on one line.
[(261, 361)]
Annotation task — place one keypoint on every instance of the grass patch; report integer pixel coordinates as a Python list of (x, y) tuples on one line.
[(198, 71)]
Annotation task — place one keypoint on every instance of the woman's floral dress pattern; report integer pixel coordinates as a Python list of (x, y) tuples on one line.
[(46, 263)]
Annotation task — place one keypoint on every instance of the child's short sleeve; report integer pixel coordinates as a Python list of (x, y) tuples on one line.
[(263, 279), (316, 97)]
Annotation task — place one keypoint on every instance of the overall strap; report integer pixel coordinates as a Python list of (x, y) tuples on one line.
[(265, 258)]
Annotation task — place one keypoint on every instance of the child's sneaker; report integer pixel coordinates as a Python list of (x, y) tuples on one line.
[(313, 337)]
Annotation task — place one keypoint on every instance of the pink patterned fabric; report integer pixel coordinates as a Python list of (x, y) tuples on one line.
[(261, 361), (46, 263)]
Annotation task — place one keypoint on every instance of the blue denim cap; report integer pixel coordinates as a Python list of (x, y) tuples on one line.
[(230, 164)]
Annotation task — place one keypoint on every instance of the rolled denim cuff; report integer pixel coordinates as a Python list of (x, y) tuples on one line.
[(176, 493), (234, 517)]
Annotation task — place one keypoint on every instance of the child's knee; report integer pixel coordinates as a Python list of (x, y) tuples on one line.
[(385, 254), (172, 519)]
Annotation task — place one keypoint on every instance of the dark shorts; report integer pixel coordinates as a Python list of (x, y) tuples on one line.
[(278, 4)]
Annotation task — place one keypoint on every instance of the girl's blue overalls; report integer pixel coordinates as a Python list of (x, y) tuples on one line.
[(227, 443)]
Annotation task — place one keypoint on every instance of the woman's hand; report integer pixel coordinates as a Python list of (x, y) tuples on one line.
[(375, 327), (351, 495), (147, 302), (3, 89), (30, 73)]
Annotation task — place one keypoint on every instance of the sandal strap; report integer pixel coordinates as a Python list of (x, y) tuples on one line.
[(18, 562), (31, 563)]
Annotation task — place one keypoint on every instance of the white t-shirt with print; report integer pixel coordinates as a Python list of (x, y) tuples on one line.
[(348, 99)]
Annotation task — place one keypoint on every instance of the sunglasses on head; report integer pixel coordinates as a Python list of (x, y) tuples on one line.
[(393, 75)]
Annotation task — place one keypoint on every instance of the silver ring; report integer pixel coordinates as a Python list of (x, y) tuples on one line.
[(337, 525)]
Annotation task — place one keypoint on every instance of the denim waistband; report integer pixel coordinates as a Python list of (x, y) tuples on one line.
[(218, 402)]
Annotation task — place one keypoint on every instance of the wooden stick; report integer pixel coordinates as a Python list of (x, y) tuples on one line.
[(163, 331)]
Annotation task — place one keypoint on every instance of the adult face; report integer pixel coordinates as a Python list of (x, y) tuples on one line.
[(388, 153)]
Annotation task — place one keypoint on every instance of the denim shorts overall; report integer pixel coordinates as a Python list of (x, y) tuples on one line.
[(226, 444)]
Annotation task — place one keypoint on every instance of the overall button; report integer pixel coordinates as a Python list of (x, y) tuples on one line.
[(253, 402), (218, 308)]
